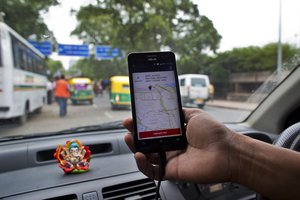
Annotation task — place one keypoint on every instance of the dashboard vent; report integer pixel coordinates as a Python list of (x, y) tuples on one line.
[(140, 189), (96, 149)]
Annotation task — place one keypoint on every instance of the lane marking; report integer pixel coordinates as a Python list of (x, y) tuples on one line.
[(108, 115)]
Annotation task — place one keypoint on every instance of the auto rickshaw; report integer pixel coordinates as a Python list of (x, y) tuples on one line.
[(81, 90), (119, 92)]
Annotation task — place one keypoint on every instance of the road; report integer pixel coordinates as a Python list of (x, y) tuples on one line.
[(85, 114)]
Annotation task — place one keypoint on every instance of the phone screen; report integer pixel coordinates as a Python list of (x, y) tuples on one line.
[(156, 106)]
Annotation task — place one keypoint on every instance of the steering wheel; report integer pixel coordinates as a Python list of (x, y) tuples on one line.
[(290, 138)]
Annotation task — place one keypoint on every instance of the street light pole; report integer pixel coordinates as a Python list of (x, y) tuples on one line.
[(279, 46)]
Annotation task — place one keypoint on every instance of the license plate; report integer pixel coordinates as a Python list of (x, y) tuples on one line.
[(198, 100)]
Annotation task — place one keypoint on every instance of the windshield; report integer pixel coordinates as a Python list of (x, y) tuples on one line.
[(63, 64)]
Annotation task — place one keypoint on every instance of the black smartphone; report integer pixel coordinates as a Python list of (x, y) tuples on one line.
[(156, 104)]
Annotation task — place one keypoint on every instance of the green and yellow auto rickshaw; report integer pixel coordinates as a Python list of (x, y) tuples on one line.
[(81, 90), (119, 92)]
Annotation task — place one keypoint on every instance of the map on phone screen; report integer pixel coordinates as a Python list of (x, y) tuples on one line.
[(156, 104)]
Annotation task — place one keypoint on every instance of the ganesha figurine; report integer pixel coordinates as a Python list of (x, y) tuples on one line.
[(73, 157)]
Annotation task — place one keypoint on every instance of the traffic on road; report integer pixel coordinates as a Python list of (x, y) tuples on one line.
[(99, 112)]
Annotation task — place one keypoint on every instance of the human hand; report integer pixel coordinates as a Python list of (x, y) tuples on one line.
[(206, 159)]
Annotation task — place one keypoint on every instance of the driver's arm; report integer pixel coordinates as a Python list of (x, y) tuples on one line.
[(272, 171), (218, 154)]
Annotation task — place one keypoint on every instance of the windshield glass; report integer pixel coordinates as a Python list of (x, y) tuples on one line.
[(242, 49)]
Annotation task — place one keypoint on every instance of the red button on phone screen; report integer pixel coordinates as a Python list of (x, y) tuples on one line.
[(159, 133)]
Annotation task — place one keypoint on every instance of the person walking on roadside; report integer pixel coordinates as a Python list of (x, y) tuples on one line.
[(62, 94)]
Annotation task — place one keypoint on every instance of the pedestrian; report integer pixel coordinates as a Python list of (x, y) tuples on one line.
[(216, 153), (100, 88), (49, 92), (62, 94), (95, 88)]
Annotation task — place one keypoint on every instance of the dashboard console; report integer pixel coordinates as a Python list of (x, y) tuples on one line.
[(29, 171)]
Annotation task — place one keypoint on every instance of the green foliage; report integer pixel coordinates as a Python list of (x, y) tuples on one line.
[(24, 16), (54, 66), (99, 69), (148, 26), (248, 59)]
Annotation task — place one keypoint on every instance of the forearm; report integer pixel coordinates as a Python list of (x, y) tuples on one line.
[(274, 172)]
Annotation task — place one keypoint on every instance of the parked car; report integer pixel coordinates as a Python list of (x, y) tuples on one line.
[(194, 89)]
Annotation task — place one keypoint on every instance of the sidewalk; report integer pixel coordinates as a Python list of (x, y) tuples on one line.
[(231, 104)]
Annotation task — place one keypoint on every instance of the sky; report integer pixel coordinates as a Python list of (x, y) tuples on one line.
[(240, 22)]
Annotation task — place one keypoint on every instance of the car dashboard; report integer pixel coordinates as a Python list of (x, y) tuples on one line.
[(30, 171)]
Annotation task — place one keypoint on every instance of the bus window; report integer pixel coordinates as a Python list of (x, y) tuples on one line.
[(34, 64), (30, 61), (40, 67), (24, 60), (21, 58), (15, 48)]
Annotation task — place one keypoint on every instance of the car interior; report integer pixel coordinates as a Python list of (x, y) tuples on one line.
[(87, 42), (29, 169)]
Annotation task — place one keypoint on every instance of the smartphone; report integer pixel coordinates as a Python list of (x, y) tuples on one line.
[(156, 104)]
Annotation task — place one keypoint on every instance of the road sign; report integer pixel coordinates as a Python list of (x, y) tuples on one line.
[(44, 47), (73, 50), (107, 52)]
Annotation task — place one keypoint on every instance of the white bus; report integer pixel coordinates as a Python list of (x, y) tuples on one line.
[(22, 76)]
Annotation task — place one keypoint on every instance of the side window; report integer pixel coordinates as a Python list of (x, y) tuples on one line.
[(182, 82), (16, 52), (30, 61), (22, 57), (34, 64)]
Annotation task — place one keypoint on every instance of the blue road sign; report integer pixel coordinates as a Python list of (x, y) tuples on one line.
[(44, 47), (73, 50), (107, 52)]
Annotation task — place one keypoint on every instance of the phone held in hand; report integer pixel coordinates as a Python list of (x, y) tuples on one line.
[(156, 105)]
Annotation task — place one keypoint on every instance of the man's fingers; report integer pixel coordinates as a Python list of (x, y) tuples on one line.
[(128, 138), (128, 123), (146, 167), (189, 113)]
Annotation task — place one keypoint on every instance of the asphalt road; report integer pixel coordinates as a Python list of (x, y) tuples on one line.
[(86, 114)]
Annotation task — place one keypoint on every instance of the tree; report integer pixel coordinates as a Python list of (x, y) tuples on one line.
[(32, 24), (55, 66), (149, 26), (99, 69), (247, 59)]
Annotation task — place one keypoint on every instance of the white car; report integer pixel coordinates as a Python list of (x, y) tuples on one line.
[(194, 89)]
